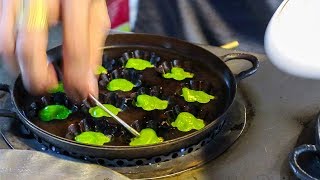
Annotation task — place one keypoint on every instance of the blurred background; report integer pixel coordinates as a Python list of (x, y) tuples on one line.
[(213, 22)]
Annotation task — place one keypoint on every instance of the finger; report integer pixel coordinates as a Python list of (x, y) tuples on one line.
[(98, 30), (9, 11), (37, 74), (53, 12), (99, 25), (78, 77)]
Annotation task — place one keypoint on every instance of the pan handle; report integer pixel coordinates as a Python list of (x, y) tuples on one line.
[(246, 73), (293, 160), (6, 112)]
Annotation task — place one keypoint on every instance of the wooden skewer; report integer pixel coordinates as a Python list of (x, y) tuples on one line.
[(119, 120)]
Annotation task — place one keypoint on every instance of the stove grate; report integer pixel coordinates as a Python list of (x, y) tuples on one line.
[(126, 162)]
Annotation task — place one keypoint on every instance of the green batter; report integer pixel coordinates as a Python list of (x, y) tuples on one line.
[(147, 137), (54, 112), (59, 88), (92, 138), (120, 85), (178, 74), (196, 96), (186, 122), (138, 64), (150, 103), (97, 112), (101, 70)]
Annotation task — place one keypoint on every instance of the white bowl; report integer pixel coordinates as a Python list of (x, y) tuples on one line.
[(292, 39)]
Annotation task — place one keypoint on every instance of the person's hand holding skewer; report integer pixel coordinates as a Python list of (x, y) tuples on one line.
[(24, 26)]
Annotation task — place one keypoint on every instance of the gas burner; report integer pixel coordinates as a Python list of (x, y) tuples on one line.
[(174, 163)]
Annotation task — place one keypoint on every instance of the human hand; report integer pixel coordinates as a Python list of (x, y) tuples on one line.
[(24, 38)]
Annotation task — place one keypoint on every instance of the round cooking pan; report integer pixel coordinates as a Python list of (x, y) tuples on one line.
[(162, 46), (305, 149)]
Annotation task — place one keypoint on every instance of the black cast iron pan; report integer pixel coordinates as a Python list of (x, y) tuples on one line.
[(310, 150), (168, 48)]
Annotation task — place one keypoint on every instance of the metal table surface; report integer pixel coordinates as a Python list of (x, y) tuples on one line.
[(282, 103)]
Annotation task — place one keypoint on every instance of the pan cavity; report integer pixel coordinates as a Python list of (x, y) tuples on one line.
[(92, 138), (120, 80), (175, 69), (186, 122), (139, 60), (150, 99), (197, 91), (54, 112), (147, 137)]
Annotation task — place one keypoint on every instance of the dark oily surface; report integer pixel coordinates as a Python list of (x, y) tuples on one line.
[(282, 103)]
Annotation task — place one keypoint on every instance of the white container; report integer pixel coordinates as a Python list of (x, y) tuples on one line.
[(292, 39)]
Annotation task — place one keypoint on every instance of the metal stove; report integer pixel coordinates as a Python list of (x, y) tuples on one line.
[(17, 137), (267, 118)]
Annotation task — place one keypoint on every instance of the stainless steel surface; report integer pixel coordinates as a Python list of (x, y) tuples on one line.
[(119, 120), (24, 164), (282, 104)]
